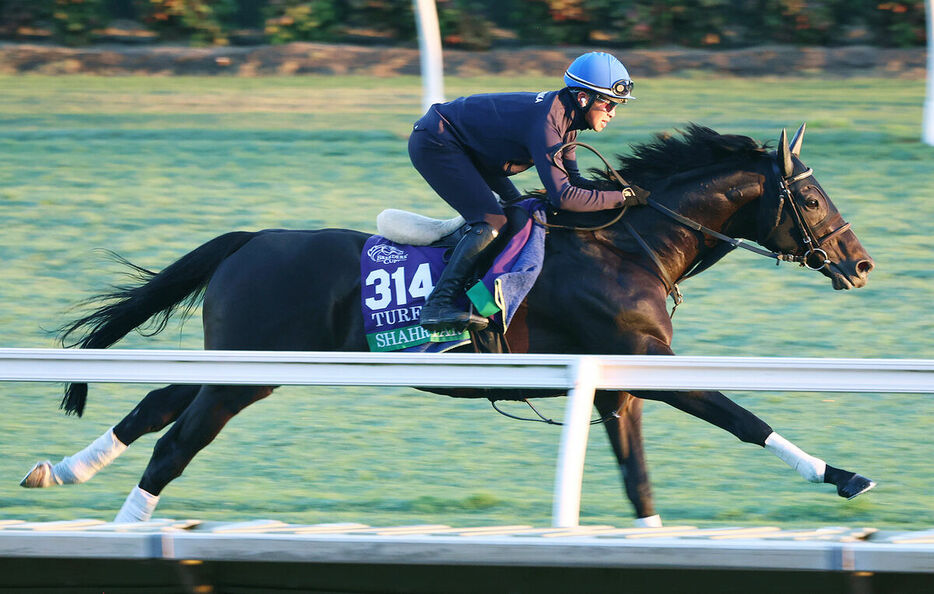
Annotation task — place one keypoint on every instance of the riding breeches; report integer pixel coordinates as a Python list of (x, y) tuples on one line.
[(450, 172)]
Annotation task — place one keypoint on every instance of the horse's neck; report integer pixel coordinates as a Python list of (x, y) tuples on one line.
[(724, 203), (733, 204), (745, 193)]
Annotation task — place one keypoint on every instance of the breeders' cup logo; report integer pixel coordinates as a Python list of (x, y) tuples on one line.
[(387, 254)]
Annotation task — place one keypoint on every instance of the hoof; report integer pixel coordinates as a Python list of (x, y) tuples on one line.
[(39, 476), (854, 487)]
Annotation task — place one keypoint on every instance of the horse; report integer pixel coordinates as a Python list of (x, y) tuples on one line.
[(602, 289)]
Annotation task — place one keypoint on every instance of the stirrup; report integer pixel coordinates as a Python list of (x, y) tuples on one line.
[(458, 321), (477, 322)]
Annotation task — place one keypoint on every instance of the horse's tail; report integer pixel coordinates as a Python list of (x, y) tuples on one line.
[(154, 296)]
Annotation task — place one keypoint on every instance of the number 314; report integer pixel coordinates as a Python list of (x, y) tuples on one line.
[(383, 284)]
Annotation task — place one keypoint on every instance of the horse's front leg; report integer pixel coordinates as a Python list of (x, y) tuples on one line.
[(717, 409), (155, 411), (195, 428), (625, 432)]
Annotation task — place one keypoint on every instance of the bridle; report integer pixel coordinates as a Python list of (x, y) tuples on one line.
[(814, 257), (812, 243)]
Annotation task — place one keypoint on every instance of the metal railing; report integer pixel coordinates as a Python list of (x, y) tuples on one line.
[(581, 375)]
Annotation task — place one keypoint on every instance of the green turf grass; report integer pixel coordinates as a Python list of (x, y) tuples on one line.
[(153, 167)]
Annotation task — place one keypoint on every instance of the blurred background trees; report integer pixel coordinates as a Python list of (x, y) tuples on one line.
[(471, 24)]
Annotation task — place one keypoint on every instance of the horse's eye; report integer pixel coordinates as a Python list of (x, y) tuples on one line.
[(811, 203)]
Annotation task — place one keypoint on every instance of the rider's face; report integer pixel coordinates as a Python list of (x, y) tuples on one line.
[(600, 113)]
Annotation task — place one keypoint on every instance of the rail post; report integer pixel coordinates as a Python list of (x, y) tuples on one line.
[(927, 123), (429, 46), (569, 476)]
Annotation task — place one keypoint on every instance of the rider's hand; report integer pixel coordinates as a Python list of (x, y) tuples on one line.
[(635, 195)]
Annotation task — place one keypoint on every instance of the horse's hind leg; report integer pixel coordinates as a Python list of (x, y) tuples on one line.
[(625, 433), (717, 409), (158, 409), (155, 412), (195, 428)]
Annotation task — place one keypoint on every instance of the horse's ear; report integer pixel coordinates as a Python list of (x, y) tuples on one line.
[(784, 155), (797, 140)]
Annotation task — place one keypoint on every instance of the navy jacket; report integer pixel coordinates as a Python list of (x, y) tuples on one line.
[(506, 133)]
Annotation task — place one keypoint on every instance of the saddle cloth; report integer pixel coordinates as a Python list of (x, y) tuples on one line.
[(396, 279)]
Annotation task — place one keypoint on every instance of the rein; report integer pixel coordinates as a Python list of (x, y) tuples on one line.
[(672, 286), (613, 221), (622, 183), (811, 242)]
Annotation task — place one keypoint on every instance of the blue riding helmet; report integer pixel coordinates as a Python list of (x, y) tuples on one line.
[(601, 73)]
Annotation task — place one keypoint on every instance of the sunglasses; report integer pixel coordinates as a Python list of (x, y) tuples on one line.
[(607, 104)]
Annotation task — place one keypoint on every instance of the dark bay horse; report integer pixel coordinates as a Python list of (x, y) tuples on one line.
[(603, 289)]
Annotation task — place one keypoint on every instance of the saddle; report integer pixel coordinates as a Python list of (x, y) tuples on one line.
[(409, 228)]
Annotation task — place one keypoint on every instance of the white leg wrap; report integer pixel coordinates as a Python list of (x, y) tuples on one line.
[(649, 522), (811, 468), (85, 464), (138, 506)]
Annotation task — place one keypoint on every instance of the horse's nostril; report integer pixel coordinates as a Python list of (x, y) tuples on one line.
[(864, 267)]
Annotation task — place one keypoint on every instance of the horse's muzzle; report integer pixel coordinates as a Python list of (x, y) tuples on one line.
[(849, 276)]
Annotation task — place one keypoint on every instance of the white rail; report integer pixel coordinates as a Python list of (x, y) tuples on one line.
[(580, 375)]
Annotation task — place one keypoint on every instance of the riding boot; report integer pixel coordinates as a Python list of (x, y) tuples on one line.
[(440, 312)]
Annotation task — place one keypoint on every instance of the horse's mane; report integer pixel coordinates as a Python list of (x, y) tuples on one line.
[(693, 148), (669, 154)]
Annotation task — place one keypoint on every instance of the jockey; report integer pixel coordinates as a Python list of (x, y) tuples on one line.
[(466, 150)]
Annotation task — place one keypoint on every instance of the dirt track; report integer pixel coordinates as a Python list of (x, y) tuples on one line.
[(317, 58)]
